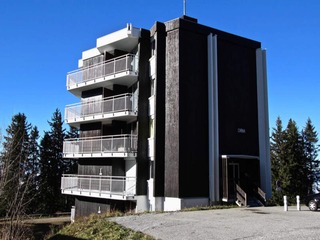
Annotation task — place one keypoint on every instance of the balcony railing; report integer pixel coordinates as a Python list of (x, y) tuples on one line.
[(106, 146), (108, 107), (114, 187), (126, 63)]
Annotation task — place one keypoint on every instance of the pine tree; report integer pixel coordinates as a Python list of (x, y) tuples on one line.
[(14, 160), (295, 167), (310, 140), (32, 169), (52, 165), (46, 179), (293, 159), (277, 156), (16, 177), (34, 151)]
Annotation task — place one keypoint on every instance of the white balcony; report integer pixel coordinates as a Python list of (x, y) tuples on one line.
[(151, 105), (115, 146), (108, 187), (120, 107), (151, 148), (152, 66), (121, 70)]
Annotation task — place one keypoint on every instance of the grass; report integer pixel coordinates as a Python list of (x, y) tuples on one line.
[(98, 227), (214, 207)]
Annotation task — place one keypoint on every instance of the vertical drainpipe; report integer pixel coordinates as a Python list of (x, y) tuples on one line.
[(214, 184)]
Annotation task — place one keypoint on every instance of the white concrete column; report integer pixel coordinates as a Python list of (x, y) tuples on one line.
[(214, 185), (263, 122)]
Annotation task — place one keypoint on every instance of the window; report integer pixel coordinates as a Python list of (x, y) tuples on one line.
[(151, 166), (151, 127), (152, 87), (153, 47)]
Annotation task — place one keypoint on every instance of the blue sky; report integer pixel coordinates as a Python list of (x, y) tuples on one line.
[(41, 40)]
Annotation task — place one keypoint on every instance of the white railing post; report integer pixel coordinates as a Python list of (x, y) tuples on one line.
[(298, 203), (110, 179), (125, 102), (73, 214), (113, 104), (101, 149), (100, 186), (127, 56), (123, 188), (111, 150), (285, 203)]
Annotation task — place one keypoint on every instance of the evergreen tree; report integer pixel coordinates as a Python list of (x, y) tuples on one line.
[(310, 140), (46, 179), (295, 166), (277, 156), (52, 165), (34, 151), (293, 160), (14, 158), (32, 169)]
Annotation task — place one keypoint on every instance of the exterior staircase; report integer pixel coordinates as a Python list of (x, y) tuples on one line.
[(257, 198)]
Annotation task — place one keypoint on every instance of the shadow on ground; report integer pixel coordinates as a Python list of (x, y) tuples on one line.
[(40, 230), (63, 237)]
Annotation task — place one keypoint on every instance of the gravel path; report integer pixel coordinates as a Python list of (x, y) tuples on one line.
[(236, 223)]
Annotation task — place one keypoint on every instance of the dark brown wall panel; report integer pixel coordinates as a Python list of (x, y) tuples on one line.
[(92, 92), (172, 145), (143, 118), (238, 110), (186, 134), (86, 206), (109, 166), (193, 121), (160, 110)]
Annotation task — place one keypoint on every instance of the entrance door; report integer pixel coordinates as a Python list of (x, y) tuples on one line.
[(230, 177), (233, 178), (233, 168)]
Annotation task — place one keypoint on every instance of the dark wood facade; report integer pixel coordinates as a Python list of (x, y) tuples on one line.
[(143, 117), (159, 29), (186, 104), (87, 205)]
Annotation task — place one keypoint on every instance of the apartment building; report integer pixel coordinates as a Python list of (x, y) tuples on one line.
[(169, 118)]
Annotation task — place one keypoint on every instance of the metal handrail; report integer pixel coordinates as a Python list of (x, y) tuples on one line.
[(119, 185), (262, 194), (97, 176), (110, 67), (100, 137), (117, 103), (110, 143), (241, 195)]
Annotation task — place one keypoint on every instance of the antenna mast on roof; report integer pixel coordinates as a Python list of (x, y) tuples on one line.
[(184, 7)]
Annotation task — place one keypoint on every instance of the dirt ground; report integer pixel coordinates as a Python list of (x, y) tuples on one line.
[(43, 227), (40, 228)]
